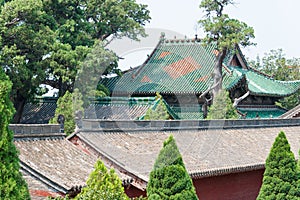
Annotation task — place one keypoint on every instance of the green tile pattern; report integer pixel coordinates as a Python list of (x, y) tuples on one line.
[(262, 113), (262, 85), (161, 81), (192, 112)]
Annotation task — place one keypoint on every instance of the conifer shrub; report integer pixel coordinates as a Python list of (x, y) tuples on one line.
[(281, 177), (222, 107), (160, 112), (12, 184), (67, 105), (102, 185), (169, 178)]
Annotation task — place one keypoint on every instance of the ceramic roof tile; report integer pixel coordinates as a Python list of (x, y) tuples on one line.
[(175, 72), (56, 159), (205, 152), (259, 84), (119, 107), (178, 67)]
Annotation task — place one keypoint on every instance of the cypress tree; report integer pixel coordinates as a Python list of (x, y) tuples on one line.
[(65, 108), (169, 178), (281, 178), (103, 185), (160, 112), (12, 184)]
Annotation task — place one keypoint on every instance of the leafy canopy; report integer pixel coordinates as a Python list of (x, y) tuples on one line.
[(222, 29), (25, 39), (169, 179), (98, 62), (12, 185), (47, 41)]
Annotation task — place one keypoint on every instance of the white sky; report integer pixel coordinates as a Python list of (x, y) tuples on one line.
[(276, 22)]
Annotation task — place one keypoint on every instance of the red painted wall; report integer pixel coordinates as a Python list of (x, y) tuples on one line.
[(238, 186), (134, 192)]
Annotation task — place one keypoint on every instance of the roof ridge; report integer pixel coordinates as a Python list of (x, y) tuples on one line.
[(39, 136), (138, 69)]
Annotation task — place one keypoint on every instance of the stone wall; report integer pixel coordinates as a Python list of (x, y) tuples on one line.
[(123, 125), (36, 130)]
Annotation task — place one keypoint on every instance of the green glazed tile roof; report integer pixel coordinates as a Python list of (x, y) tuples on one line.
[(192, 112), (262, 85), (180, 66), (262, 112)]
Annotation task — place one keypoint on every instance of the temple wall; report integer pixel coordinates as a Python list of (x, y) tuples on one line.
[(244, 185)]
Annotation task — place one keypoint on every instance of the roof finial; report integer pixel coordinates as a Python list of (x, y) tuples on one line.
[(162, 36), (196, 37)]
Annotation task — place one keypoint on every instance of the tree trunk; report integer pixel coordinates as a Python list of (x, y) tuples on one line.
[(62, 87), (218, 73), (19, 106)]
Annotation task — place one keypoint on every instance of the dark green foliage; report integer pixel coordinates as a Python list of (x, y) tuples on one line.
[(78, 24), (103, 185), (281, 178), (159, 112), (12, 185), (169, 179), (102, 91), (47, 41), (25, 39), (65, 108), (222, 107)]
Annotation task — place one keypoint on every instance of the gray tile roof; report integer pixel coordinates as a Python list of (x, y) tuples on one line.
[(205, 152), (56, 162)]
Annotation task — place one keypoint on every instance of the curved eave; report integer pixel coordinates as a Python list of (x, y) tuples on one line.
[(236, 83), (276, 93)]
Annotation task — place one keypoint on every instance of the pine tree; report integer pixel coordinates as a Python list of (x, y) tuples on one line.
[(169, 179), (103, 185), (12, 185), (281, 177), (222, 107)]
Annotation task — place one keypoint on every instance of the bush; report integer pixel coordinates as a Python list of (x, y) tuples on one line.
[(222, 107), (281, 178), (103, 185), (157, 112), (169, 179)]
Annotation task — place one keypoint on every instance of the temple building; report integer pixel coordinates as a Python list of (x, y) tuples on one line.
[(182, 69)]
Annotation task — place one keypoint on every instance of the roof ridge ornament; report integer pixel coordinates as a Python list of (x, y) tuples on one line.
[(162, 36)]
